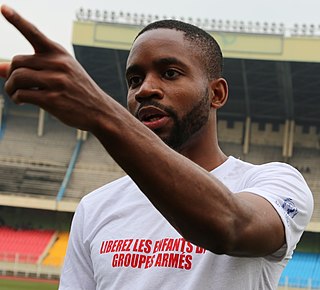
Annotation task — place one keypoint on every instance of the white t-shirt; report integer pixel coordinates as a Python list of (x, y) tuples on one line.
[(118, 240)]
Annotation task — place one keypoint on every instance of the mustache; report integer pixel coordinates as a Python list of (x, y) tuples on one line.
[(170, 111)]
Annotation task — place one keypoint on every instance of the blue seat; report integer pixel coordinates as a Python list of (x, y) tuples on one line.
[(303, 270)]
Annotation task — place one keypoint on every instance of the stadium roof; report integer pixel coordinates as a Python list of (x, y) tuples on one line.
[(272, 78)]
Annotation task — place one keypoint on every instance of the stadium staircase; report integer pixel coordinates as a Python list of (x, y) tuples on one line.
[(56, 253)]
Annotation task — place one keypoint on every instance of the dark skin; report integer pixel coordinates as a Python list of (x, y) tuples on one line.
[(161, 67)]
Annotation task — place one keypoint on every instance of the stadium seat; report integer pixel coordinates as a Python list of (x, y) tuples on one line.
[(24, 246)]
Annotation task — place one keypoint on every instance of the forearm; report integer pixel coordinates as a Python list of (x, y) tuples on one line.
[(195, 206)]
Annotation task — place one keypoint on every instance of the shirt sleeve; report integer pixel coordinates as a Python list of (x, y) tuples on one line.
[(285, 188), (77, 271)]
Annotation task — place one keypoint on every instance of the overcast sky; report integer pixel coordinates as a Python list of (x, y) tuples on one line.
[(55, 17)]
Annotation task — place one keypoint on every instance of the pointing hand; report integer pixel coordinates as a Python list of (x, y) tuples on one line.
[(51, 78)]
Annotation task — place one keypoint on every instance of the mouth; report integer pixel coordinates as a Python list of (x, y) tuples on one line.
[(152, 117)]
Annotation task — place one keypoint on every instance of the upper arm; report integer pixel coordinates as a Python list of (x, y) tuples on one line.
[(280, 205), (263, 232)]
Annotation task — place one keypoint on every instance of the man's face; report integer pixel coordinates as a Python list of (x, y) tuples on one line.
[(168, 86)]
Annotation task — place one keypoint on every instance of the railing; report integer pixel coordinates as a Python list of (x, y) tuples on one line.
[(25, 265), (17, 265), (2, 119), (287, 283), (68, 174), (18, 258)]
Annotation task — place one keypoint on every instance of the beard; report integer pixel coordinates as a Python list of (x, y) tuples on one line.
[(188, 125)]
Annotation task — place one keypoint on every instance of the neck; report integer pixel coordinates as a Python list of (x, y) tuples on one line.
[(203, 149)]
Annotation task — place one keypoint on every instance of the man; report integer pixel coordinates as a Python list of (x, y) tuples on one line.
[(186, 216)]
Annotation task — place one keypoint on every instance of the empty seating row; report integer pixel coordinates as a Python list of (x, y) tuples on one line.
[(27, 179), (302, 271), (23, 245)]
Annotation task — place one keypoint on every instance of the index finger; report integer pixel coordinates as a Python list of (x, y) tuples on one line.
[(37, 39)]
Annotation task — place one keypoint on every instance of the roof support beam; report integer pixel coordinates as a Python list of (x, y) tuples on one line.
[(247, 126), (41, 122), (286, 88), (245, 88), (121, 73)]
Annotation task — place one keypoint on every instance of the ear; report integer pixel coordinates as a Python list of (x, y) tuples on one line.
[(219, 92)]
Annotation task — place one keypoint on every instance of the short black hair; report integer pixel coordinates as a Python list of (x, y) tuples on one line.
[(207, 46)]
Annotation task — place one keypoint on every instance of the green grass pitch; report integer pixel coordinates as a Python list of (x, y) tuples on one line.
[(7, 284)]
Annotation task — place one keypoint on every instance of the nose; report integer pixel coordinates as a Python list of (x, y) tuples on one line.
[(149, 89)]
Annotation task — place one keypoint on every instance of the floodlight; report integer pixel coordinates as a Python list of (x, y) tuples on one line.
[(213, 24), (295, 29), (257, 26), (241, 26), (227, 24), (265, 27), (128, 17), (112, 16), (135, 18), (281, 28), (89, 14), (105, 15), (312, 29), (80, 14), (235, 25), (97, 14), (304, 29)]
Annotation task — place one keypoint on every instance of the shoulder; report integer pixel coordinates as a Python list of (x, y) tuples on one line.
[(274, 172), (277, 170), (280, 183), (246, 173), (239, 165), (113, 186), (280, 179), (108, 194)]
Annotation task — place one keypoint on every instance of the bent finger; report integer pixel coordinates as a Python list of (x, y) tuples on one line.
[(25, 78), (29, 96), (37, 39), (32, 62)]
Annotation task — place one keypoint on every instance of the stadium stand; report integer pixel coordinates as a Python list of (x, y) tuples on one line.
[(302, 271), (23, 245), (307, 160), (266, 83), (93, 169), (32, 164)]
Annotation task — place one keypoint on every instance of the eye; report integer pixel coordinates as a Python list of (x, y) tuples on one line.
[(134, 81), (171, 74)]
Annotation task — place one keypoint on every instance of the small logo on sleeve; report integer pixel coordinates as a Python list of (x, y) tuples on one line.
[(289, 207)]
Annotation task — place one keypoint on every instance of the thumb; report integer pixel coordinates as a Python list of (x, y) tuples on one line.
[(4, 69)]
